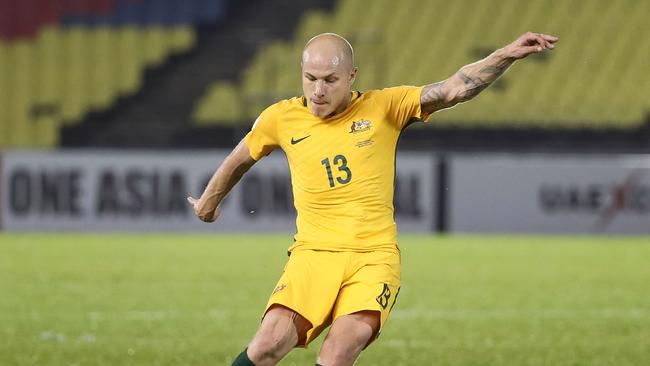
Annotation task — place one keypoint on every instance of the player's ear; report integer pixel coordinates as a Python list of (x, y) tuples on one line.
[(353, 74)]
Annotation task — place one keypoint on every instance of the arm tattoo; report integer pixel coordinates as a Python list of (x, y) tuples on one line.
[(474, 84), (465, 84), (491, 69), (434, 97)]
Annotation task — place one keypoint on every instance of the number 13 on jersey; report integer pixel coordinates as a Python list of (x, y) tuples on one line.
[(342, 164)]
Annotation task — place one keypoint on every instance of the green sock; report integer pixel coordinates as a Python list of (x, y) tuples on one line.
[(243, 360)]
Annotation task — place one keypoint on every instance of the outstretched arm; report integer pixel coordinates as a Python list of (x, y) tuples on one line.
[(472, 79), (228, 174)]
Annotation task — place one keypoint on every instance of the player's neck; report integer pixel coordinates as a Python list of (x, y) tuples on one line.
[(343, 106)]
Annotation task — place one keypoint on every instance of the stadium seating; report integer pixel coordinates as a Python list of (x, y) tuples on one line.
[(231, 106), (60, 60), (595, 79)]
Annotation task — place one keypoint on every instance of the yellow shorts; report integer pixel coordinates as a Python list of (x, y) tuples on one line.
[(322, 285)]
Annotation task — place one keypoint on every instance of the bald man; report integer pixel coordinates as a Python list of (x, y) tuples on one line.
[(344, 265)]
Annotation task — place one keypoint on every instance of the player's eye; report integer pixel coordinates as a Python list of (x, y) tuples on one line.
[(331, 80), (311, 78)]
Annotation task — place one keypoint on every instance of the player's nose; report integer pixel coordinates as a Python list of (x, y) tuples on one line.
[(319, 90)]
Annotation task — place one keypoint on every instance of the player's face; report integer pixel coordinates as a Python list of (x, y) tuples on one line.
[(326, 85)]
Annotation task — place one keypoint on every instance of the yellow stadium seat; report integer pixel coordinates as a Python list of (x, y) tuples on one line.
[(312, 22), (182, 38), (22, 66), (102, 85), (75, 96), (285, 63), (5, 92), (221, 104), (288, 81), (347, 13), (129, 60), (154, 45), (44, 110), (49, 60), (260, 80)]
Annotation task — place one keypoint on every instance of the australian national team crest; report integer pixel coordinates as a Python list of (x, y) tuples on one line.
[(361, 128), (361, 125)]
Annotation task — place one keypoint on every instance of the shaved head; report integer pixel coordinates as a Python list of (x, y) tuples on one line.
[(329, 48), (327, 74)]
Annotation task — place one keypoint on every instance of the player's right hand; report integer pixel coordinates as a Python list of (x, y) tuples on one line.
[(204, 213), (529, 43)]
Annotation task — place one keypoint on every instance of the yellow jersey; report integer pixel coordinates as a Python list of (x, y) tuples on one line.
[(342, 167)]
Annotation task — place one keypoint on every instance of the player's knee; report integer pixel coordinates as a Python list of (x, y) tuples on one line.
[(341, 351), (277, 335), (344, 346), (339, 355), (265, 350)]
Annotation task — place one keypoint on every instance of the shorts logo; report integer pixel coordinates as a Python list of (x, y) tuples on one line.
[(360, 126), (279, 288), (383, 298)]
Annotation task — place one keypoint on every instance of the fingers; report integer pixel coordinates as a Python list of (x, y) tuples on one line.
[(541, 42), (545, 41), (209, 217), (530, 43), (549, 38), (527, 50)]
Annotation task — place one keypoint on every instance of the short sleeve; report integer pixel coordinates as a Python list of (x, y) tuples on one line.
[(403, 105), (263, 138)]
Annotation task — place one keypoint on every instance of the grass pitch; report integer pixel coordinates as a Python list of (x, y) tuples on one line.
[(196, 300)]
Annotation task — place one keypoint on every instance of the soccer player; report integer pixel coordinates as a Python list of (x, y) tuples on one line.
[(344, 266)]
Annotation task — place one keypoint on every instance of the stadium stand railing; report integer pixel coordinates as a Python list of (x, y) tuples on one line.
[(596, 79)]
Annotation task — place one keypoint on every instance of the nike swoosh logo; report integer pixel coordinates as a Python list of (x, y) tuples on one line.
[(294, 141)]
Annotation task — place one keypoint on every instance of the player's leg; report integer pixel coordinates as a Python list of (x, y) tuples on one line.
[(299, 307), (281, 330), (362, 307), (348, 336)]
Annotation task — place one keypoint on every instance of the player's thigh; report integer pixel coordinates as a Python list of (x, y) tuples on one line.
[(354, 329), (309, 286), (373, 287)]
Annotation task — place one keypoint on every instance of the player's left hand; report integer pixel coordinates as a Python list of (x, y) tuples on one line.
[(206, 214), (529, 43)]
